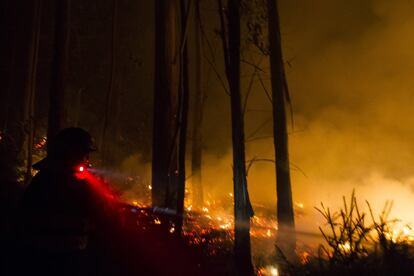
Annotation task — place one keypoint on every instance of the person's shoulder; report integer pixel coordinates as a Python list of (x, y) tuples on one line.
[(40, 177), (38, 182)]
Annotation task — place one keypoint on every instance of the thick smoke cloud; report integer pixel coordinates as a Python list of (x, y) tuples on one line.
[(350, 78)]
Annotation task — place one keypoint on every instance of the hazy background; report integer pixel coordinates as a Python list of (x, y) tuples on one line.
[(349, 66), (350, 76)]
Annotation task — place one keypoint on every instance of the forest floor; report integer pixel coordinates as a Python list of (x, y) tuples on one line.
[(147, 243)]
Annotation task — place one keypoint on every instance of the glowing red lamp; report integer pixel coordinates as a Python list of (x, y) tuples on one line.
[(80, 172)]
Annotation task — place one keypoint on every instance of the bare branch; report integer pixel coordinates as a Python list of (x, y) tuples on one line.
[(269, 97), (249, 90), (223, 33), (268, 120), (255, 66), (218, 76)]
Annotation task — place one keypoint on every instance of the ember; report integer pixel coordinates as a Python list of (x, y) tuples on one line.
[(41, 144), (268, 271)]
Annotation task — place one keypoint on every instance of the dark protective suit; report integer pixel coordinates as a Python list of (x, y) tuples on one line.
[(57, 209), (59, 215)]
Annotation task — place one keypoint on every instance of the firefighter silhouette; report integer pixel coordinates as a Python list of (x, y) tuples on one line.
[(59, 210)]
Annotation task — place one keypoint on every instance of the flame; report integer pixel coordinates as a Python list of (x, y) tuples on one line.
[(304, 257), (268, 271), (345, 247), (400, 235)]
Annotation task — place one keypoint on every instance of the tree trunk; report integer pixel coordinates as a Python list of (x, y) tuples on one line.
[(242, 206), (285, 214), (78, 107), (196, 151), (31, 87), (59, 68), (17, 25), (110, 93), (164, 149), (183, 112)]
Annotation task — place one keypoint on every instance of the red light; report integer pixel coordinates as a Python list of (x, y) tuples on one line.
[(80, 172)]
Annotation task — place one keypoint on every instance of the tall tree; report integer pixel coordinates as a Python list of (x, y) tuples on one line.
[(59, 68), (111, 89), (285, 214), (31, 86), (166, 87), (16, 25), (185, 7), (196, 150), (242, 206)]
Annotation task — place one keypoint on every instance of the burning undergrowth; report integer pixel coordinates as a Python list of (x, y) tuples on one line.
[(354, 238), (359, 242), (208, 230)]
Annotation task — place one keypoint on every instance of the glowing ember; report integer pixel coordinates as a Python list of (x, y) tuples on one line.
[(345, 247), (226, 226), (274, 271), (304, 257), (398, 234), (268, 271), (268, 233), (41, 143)]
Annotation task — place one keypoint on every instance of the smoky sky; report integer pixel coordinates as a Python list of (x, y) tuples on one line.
[(349, 67), (356, 87)]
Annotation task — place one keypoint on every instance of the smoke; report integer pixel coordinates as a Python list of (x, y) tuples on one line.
[(353, 102), (350, 76), (349, 67)]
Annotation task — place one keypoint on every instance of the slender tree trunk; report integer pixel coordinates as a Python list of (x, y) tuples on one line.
[(196, 151), (31, 87), (285, 214), (183, 112), (110, 93), (242, 206), (164, 145), (17, 22), (59, 68), (78, 107), (118, 107)]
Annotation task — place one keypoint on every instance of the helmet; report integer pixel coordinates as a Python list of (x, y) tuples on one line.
[(70, 146), (71, 140)]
